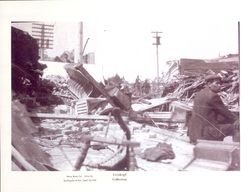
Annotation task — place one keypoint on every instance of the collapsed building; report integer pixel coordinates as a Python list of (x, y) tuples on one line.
[(81, 124)]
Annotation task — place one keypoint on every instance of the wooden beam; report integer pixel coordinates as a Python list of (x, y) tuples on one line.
[(68, 117), (83, 155), (21, 160), (160, 116), (181, 105), (157, 104)]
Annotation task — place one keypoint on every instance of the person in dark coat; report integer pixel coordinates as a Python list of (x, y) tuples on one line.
[(138, 86), (146, 87), (211, 120)]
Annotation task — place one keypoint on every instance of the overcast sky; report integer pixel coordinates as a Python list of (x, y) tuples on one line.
[(127, 49), (120, 33)]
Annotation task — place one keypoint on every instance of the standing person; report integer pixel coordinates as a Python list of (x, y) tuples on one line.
[(138, 86), (211, 120), (146, 87)]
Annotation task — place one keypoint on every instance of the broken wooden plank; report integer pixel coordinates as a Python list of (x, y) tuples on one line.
[(111, 141), (154, 103), (160, 116), (215, 155), (68, 117), (132, 160), (120, 99), (181, 105), (81, 107), (83, 155), (79, 74)]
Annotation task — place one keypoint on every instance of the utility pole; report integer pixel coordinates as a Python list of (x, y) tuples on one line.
[(157, 43), (239, 41), (79, 54), (80, 42)]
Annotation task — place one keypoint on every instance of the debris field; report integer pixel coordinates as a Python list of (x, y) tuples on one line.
[(77, 123)]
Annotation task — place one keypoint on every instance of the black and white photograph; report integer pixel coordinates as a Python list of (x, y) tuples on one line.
[(120, 90), (184, 116)]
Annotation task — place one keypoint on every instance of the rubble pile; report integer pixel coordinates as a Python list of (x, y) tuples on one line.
[(26, 70), (64, 139), (58, 136), (66, 57), (79, 123), (23, 143), (60, 86), (187, 86)]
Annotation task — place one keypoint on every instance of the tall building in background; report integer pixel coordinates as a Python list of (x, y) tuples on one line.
[(44, 34)]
